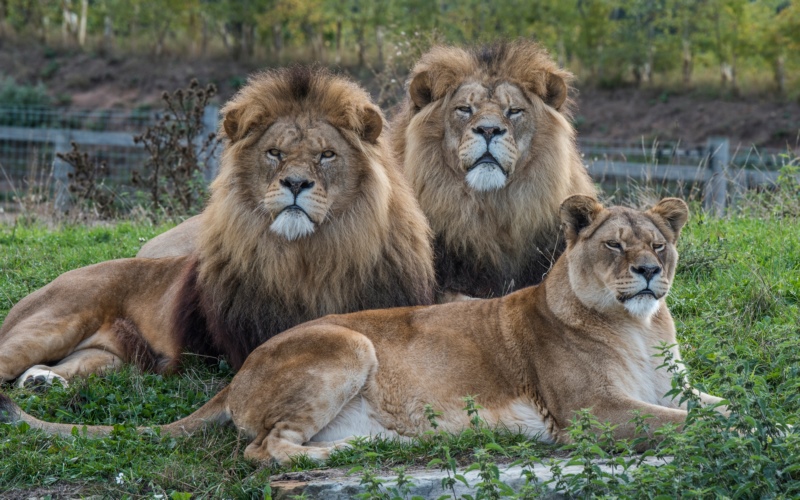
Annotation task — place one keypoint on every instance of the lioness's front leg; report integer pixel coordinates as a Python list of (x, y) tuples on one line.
[(295, 386), (620, 413)]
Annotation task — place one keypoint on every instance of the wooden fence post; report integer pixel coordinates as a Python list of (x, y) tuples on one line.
[(716, 191), (210, 125), (61, 171)]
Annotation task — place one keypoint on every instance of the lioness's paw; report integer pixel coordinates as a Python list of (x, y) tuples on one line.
[(39, 377)]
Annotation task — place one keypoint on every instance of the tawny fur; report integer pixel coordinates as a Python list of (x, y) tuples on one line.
[(488, 243), (370, 246), (531, 359)]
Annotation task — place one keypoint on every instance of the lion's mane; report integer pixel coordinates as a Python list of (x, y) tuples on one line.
[(490, 243), (246, 284)]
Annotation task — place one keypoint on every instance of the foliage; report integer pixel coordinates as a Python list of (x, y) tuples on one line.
[(179, 153), (611, 42)]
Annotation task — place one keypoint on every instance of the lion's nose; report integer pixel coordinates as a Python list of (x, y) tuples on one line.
[(489, 132), (296, 185), (646, 271)]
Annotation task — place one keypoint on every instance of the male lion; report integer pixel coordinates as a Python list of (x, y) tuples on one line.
[(485, 139), (487, 144), (585, 338), (307, 217)]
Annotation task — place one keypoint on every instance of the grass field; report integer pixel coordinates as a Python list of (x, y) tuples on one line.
[(736, 301)]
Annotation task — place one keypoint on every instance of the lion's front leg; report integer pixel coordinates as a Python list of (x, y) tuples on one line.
[(78, 364)]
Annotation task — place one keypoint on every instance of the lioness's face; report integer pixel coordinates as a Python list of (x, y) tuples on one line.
[(634, 261), (486, 129), (621, 259), (306, 171)]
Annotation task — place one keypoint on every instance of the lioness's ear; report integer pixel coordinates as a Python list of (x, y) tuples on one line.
[(420, 90), (675, 213), (556, 91), (577, 213), (372, 124)]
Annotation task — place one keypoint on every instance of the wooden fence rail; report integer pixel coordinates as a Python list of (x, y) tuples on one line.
[(714, 169)]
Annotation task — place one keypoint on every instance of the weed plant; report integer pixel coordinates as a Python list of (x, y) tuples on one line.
[(736, 302)]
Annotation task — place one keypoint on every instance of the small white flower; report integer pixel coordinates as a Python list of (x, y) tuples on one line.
[(120, 479)]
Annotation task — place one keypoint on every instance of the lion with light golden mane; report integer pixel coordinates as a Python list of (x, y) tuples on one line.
[(307, 217), (486, 141), (585, 338)]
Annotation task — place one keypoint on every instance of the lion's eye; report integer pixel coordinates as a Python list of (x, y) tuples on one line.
[(327, 154), (274, 153), (614, 245), (514, 111), (659, 247), (464, 109)]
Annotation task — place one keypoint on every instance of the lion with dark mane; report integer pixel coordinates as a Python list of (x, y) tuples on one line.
[(486, 141), (308, 217)]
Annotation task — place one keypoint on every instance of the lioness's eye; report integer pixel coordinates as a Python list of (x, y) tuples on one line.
[(514, 111), (614, 245), (659, 247), (464, 109), (274, 153), (328, 154)]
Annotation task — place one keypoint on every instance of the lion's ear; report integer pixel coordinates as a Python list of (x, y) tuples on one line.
[(556, 91), (371, 124), (238, 120), (420, 90), (578, 212), (675, 213)]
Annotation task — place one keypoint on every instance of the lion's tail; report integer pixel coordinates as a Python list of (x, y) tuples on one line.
[(215, 411)]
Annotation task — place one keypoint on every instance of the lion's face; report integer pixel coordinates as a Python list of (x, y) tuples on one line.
[(621, 258), (486, 129), (301, 173)]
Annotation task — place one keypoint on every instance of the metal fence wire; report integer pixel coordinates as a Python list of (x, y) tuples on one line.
[(31, 137)]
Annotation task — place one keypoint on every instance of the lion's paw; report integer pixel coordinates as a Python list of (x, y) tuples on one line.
[(39, 377)]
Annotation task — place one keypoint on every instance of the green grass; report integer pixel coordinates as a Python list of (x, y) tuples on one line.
[(736, 301)]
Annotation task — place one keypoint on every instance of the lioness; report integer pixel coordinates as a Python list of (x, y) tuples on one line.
[(487, 143), (308, 216), (585, 338)]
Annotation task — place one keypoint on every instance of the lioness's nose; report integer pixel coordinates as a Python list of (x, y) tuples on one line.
[(488, 131), (646, 271), (296, 185)]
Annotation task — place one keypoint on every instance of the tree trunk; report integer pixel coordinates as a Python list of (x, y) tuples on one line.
[(108, 35), (82, 28), (3, 17), (361, 45), (687, 62), (379, 42), (339, 41), (562, 52), (235, 30), (204, 37), (277, 40), (780, 74)]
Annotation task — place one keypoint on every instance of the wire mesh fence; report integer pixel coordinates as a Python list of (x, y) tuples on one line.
[(30, 138)]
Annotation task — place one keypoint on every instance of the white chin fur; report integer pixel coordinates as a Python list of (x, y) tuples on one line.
[(292, 224), (643, 306), (486, 177)]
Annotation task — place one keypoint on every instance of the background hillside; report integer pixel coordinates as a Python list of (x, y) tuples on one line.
[(668, 69)]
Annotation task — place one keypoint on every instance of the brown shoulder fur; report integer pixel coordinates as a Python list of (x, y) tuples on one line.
[(492, 240), (370, 248)]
